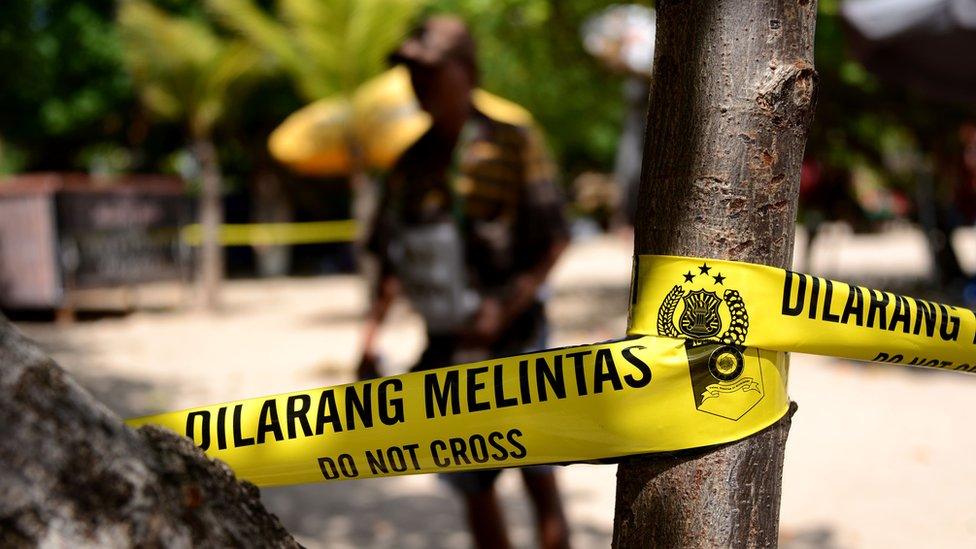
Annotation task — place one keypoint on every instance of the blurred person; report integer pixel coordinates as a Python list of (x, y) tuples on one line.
[(469, 226), (964, 195)]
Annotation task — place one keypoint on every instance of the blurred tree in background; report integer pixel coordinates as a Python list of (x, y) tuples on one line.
[(327, 47), (872, 129), (530, 52), (184, 71), (65, 93)]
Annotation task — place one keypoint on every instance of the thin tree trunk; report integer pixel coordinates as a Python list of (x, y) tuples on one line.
[(211, 265), (731, 100), (271, 205)]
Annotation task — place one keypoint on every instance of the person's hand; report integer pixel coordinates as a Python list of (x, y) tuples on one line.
[(368, 367), (487, 324), (524, 289)]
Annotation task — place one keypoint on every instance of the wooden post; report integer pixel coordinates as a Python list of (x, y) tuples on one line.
[(732, 96), (210, 270)]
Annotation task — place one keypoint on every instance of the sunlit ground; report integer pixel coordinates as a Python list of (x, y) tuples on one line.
[(878, 457)]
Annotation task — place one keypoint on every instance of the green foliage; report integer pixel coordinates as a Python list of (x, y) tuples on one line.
[(12, 160), (183, 69), (326, 46), (63, 83), (862, 122), (530, 51), (68, 99)]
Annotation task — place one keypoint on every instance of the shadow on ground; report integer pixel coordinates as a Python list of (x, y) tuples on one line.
[(589, 308), (381, 513), (127, 396), (820, 537), (367, 513)]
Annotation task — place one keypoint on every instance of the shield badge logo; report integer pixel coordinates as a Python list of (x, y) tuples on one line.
[(700, 318), (726, 380), (703, 311), (726, 376)]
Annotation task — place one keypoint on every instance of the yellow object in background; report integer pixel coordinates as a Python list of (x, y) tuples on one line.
[(268, 234), (336, 135), (373, 128)]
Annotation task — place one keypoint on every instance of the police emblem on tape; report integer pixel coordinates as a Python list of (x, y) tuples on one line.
[(703, 313), (725, 381)]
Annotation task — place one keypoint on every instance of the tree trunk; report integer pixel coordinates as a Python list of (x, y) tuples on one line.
[(73, 475), (271, 205), (211, 266), (732, 96)]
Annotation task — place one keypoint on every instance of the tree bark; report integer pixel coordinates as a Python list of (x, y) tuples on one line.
[(732, 96), (73, 475), (211, 266)]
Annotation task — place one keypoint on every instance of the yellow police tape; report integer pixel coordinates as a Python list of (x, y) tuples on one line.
[(705, 364), (765, 307), (270, 234)]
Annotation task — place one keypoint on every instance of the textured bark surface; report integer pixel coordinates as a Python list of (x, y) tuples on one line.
[(72, 474), (732, 97)]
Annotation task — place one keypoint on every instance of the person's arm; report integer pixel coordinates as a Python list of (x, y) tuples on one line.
[(526, 286), (387, 291), (495, 313)]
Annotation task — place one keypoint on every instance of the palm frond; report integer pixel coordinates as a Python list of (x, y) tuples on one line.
[(181, 67), (328, 46), (273, 37)]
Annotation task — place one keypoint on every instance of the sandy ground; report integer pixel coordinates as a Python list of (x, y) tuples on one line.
[(878, 457)]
